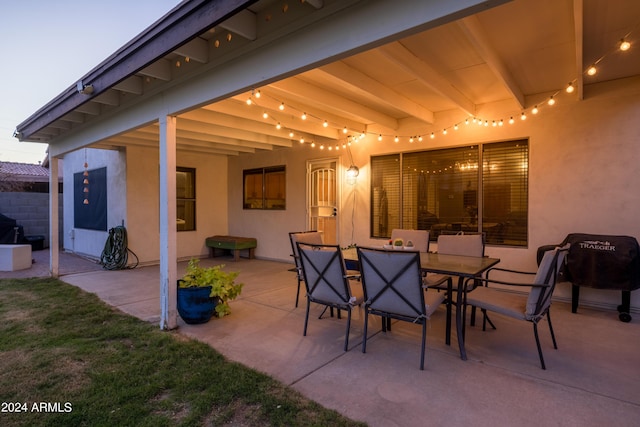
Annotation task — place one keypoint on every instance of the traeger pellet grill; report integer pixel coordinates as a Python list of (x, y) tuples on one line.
[(602, 262)]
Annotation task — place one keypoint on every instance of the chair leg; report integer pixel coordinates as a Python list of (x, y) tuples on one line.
[(485, 319), (346, 336), (306, 318), (424, 342), (298, 294), (535, 332), (364, 337), (553, 336), (472, 322)]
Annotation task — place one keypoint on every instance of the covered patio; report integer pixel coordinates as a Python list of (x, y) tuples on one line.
[(591, 380)]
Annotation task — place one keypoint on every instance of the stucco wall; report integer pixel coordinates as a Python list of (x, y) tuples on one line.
[(91, 242), (143, 201), (583, 167)]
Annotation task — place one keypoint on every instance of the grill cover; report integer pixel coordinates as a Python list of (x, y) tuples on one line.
[(8, 232), (603, 262)]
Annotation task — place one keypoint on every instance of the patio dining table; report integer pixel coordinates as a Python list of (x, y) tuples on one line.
[(463, 267)]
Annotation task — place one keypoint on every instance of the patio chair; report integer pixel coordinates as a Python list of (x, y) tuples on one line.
[(327, 282), (419, 238), (314, 237), (530, 308), (393, 289), (465, 244)]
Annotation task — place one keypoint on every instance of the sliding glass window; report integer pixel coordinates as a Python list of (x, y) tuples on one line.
[(467, 189)]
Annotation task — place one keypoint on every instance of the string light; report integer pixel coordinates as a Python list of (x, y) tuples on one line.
[(624, 45), (592, 70)]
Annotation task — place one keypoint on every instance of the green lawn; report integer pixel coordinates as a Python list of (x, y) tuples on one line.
[(68, 359)]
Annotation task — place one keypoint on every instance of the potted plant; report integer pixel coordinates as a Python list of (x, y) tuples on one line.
[(205, 291), (398, 244)]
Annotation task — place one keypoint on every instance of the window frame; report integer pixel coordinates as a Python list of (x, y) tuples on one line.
[(264, 188), (502, 216), (191, 172)]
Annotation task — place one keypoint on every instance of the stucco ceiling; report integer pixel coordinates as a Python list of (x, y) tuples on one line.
[(518, 54)]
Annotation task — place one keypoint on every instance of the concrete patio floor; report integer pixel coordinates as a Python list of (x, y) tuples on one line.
[(593, 379)]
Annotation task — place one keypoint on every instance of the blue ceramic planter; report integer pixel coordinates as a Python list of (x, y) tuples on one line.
[(195, 305)]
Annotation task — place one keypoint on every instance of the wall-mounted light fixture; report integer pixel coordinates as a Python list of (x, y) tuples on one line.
[(84, 89), (353, 171)]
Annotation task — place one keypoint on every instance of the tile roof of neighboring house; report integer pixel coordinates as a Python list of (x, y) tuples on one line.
[(12, 171)]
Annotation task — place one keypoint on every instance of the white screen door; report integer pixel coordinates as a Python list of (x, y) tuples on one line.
[(322, 198)]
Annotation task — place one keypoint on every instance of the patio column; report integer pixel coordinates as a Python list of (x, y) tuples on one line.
[(54, 243), (168, 234)]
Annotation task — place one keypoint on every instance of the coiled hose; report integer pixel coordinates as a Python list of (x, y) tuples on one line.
[(115, 254)]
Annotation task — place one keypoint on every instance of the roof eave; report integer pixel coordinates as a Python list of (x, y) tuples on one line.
[(180, 25)]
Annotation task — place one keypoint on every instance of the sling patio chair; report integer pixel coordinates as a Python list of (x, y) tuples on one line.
[(393, 289), (314, 237), (530, 308), (327, 282), (419, 238), (459, 243)]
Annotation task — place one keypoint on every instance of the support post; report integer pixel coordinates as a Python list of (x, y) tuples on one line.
[(168, 234), (54, 241)]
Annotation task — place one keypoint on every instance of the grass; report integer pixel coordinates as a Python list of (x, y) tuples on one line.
[(92, 365)]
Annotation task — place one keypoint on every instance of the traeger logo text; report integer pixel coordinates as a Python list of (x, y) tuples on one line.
[(597, 245)]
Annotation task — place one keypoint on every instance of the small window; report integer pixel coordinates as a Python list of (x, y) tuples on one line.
[(265, 188), (186, 199)]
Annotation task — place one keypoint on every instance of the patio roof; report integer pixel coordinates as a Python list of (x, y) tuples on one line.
[(454, 63)]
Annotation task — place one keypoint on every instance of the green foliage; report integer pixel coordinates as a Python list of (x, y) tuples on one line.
[(223, 285), (398, 242)]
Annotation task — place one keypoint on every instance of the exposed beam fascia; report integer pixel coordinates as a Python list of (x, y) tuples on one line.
[(124, 141), (578, 22), (331, 102), (60, 124), (110, 97), (207, 140), (74, 117), (404, 58), (295, 107), (384, 94), (92, 108), (196, 50), (318, 4), (199, 126), (161, 69), (243, 126), (472, 28), (243, 23), (286, 119), (131, 85), (195, 143)]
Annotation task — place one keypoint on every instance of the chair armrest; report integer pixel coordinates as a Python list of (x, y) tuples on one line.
[(507, 270), (502, 282)]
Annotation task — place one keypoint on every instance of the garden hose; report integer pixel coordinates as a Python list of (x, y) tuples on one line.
[(115, 254)]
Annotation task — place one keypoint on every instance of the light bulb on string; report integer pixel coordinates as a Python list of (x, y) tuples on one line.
[(592, 70), (511, 121), (325, 124), (304, 116), (551, 101), (535, 110), (523, 116), (624, 45), (380, 137), (281, 107), (570, 88)]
